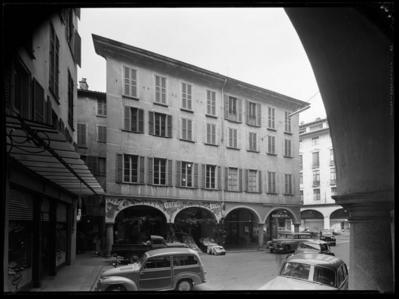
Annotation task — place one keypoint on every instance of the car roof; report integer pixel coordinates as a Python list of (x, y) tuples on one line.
[(170, 250), (316, 259), (314, 241)]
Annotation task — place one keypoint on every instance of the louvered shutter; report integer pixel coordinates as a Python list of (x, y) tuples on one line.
[(226, 107), (240, 180), (178, 174), (141, 178), (150, 170), (57, 51), (226, 178), (247, 112), (203, 175), (239, 110), (260, 181), (246, 180), (38, 102), (150, 123), (258, 115), (20, 206), (127, 118), (141, 120), (170, 178), (118, 176), (219, 179), (77, 48), (169, 123), (195, 175)]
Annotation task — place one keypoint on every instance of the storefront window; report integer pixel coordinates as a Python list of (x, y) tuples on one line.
[(61, 234)]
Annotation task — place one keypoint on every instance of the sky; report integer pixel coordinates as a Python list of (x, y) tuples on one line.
[(255, 45)]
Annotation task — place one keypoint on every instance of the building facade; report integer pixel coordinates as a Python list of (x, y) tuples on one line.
[(318, 179), (45, 177), (189, 150)]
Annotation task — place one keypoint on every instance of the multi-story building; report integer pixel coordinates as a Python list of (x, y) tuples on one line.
[(318, 179), (45, 177), (189, 150)]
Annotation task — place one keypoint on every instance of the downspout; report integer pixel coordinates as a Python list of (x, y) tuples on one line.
[(223, 149)]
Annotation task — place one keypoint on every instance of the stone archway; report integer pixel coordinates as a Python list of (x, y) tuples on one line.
[(339, 220), (279, 219), (312, 220)]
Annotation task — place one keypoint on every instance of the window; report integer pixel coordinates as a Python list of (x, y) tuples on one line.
[(186, 95), (287, 148), (252, 142), (270, 123), (184, 260), (158, 262), (69, 28), (187, 129), (232, 108), (102, 134), (232, 179), (160, 89), (332, 157), (101, 107), (333, 176), (38, 102), (160, 124), (210, 177), (271, 182), (287, 122), (54, 62), (130, 168), (22, 93), (333, 190), (288, 184), (315, 127), (97, 165), (82, 134), (232, 105), (252, 181), (129, 82), (159, 171), (253, 114), (271, 141), (315, 160), (315, 141), (186, 174), (233, 143), (316, 178), (300, 162), (210, 102), (134, 119), (298, 270), (300, 178), (211, 134), (101, 169), (70, 100), (316, 194), (324, 275)]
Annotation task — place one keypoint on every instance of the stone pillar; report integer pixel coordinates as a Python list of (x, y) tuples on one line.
[(327, 222), (296, 227), (261, 233), (109, 238), (371, 256)]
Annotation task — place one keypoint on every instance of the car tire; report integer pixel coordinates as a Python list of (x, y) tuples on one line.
[(184, 285), (116, 288), (271, 250), (287, 248)]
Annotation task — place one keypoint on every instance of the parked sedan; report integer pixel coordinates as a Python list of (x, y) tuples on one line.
[(216, 250), (310, 271), (328, 236), (287, 241), (314, 246)]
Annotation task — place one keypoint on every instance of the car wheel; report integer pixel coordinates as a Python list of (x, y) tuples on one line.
[(271, 250), (287, 248), (184, 285), (116, 288)]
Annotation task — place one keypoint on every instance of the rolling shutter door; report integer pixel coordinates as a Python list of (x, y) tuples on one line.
[(20, 206)]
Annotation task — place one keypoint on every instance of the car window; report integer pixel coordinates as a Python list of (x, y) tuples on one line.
[(324, 247), (297, 270), (157, 262), (183, 260), (324, 276)]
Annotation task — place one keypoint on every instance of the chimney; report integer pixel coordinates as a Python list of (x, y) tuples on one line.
[(83, 84)]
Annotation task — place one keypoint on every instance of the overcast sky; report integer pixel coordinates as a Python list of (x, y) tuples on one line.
[(255, 45)]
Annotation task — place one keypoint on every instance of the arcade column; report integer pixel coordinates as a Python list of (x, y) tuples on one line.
[(296, 227), (109, 238), (326, 222), (261, 234)]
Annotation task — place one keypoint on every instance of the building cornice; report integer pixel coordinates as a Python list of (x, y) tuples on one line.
[(315, 133), (91, 93)]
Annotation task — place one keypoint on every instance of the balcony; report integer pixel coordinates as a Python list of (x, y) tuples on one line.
[(333, 182), (316, 183)]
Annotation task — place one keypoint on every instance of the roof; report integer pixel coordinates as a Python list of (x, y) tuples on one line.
[(316, 259), (170, 250), (91, 93), (103, 46)]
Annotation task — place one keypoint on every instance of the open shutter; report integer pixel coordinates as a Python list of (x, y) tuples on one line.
[(141, 179), (57, 67), (240, 179), (150, 123), (226, 178), (195, 175), (258, 115), (260, 181), (77, 48), (246, 180), (150, 162), (141, 120), (239, 110), (169, 123), (127, 118), (178, 174), (226, 107), (203, 175), (219, 178), (247, 112), (118, 176), (170, 179)]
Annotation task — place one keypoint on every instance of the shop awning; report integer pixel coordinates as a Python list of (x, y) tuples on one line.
[(46, 151)]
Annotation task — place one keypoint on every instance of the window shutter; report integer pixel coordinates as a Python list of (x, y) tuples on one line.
[(203, 175), (239, 109), (260, 181), (170, 179), (178, 174), (150, 170), (246, 180), (226, 107), (77, 48), (150, 123), (141, 179), (195, 175), (169, 122), (219, 179), (226, 178), (38, 94), (214, 134), (230, 137), (208, 130), (240, 179), (189, 129), (118, 168), (258, 115), (57, 51), (141, 120), (247, 112)]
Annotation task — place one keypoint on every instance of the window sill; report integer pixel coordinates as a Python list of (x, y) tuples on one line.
[(252, 151), (289, 157), (210, 144), (210, 115), (160, 104), (211, 189), (187, 110), (253, 192), (159, 136), (130, 97), (154, 185), (252, 125), (234, 191), (271, 129), (288, 133), (131, 183), (270, 154), (82, 146), (271, 193), (135, 132), (233, 148), (188, 188), (233, 121), (185, 140), (102, 116)]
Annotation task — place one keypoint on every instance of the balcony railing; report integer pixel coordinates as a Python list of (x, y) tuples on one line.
[(316, 183)]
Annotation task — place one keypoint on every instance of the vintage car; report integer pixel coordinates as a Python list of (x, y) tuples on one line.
[(328, 236), (157, 270), (287, 241), (314, 246), (310, 271), (216, 250)]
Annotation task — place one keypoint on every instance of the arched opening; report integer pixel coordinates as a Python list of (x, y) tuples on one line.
[(278, 220), (339, 220), (135, 224), (193, 224), (241, 227), (312, 220)]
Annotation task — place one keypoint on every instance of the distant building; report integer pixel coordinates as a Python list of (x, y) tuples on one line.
[(318, 180)]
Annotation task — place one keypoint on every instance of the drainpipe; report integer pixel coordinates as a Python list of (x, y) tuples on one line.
[(223, 147)]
